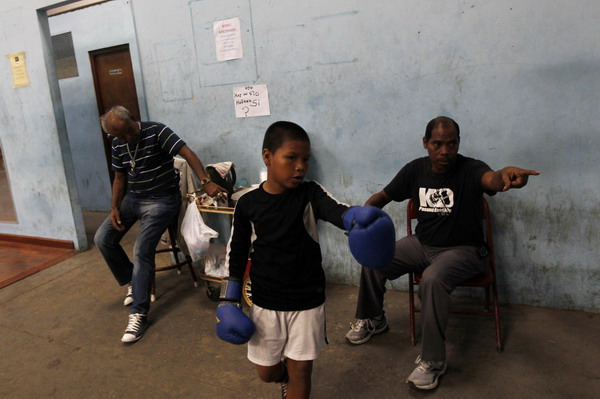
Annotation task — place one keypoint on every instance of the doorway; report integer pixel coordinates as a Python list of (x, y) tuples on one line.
[(7, 207), (114, 83)]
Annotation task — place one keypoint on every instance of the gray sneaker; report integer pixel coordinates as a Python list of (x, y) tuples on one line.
[(362, 331), (129, 298), (426, 375)]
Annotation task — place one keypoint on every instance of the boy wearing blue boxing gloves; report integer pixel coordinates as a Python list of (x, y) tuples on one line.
[(276, 226)]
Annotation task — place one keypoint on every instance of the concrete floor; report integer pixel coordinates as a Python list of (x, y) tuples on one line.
[(60, 333)]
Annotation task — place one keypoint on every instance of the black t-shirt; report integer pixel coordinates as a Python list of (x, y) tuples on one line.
[(279, 233), (449, 204)]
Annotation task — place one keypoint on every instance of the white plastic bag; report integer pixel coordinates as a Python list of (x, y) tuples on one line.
[(214, 263), (195, 232)]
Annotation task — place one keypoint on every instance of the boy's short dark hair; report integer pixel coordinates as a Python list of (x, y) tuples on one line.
[(438, 121), (282, 131)]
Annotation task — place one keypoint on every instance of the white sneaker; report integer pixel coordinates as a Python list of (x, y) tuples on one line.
[(135, 327), (129, 297), (426, 375)]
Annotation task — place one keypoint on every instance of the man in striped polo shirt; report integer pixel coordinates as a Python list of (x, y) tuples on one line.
[(145, 188)]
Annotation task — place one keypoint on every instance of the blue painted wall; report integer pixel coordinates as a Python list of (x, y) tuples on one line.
[(364, 77), (33, 134), (78, 93)]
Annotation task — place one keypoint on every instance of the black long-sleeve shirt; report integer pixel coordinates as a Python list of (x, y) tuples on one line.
[(279, 234)]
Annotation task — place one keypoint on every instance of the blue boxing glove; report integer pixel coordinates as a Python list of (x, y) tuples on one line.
[(233, 325), (371, 236)]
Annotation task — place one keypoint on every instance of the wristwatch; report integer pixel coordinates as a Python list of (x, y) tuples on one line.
[(205, 181)]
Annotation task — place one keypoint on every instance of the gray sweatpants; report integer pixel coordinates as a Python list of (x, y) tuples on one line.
[(443, 269)]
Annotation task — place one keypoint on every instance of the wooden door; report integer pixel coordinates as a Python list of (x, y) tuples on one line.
[(115, 85)]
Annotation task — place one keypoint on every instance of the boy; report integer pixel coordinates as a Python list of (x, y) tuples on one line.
[(276, 225)]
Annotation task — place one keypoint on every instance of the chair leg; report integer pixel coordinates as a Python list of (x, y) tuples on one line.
[(189, 262), (499, 346), (176, 251), (174, 248), (411, 309), (153, 290)]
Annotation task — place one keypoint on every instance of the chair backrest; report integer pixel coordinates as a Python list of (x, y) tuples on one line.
[(411, 214)]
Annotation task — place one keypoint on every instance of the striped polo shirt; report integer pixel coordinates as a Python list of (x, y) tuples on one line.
[(148, 163)]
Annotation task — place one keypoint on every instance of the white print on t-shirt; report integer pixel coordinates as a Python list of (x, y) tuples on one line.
[(436, 200)]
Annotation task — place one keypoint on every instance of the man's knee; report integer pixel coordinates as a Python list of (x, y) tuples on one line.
[(409, 257), (432, 282), (100, 238), (375, 278)]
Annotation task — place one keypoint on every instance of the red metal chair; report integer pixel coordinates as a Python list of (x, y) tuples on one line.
[(487, 280)]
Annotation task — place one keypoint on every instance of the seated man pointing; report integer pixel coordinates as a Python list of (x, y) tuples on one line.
[(446, 248)]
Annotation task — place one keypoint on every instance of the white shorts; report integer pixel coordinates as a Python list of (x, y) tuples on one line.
[(298, 335)]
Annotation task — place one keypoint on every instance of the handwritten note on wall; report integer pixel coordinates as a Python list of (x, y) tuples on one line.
[(228, 39), (251, 101)]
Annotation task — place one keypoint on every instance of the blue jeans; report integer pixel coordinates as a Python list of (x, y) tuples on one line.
[(155, 214)]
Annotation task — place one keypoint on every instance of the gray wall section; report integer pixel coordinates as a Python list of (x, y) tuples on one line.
[(364, 77)]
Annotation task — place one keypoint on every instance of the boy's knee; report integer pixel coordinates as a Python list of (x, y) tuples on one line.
[(266, 377), (276, 373), (300, 370), (300, 374)]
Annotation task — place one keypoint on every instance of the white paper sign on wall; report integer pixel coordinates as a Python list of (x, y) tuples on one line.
[(228, 39), (251, 101)]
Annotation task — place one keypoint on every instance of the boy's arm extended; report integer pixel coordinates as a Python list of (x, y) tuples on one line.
[(371, 232), (328, 208)]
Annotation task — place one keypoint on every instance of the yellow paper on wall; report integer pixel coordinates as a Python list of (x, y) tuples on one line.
[(18, 69)]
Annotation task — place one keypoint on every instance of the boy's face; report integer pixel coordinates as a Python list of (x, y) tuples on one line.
[(287, 166)]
